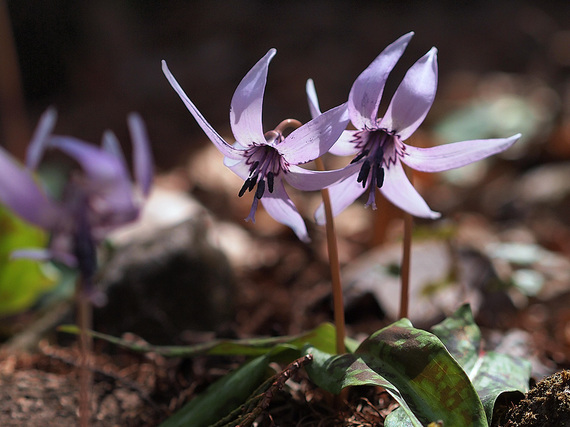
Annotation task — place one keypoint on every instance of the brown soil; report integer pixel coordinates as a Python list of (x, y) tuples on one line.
[(546, 404)]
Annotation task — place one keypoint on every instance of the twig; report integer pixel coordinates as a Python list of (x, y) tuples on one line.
[(262, 397)]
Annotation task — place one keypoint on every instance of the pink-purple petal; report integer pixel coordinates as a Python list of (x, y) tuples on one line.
[(142, 156), (345, 145), (225, 148), (413, 98), (312, 99), (308, 180), (450, 156), (280, 207), (342, 195), (247, 102), (366, 92), (398, 189), (314, 138), (239, 167), (111, 144), (100, 166), (39, 139), (20, 193)]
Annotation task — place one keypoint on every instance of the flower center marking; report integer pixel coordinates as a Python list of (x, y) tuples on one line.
[(379, 149), (265, 161)]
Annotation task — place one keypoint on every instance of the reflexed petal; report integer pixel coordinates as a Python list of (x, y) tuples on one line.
[(398, 189), (99, 165), (367, 89), (312, 98), (217, 140), (413, 98), (345, 145), (314, 138), (308, 180), (281, 208), (112, 145), (342, 195), (245, 112), (20, 193), (39, 139), (142, 156), (457, 154), (108, 182)]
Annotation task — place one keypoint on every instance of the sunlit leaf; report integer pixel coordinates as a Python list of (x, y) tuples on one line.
[(415, 368), (333, 373), (22, 281)]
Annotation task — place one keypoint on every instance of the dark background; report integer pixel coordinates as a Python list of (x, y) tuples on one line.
[(97, 60)]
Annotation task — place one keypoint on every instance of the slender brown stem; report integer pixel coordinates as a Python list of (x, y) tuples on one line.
[(338, 304), (85, 342), (406, 256), (406, 259), (288, 123)]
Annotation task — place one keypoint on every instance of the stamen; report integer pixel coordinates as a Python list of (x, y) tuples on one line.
[(270, 181), (260, 189), (244, 187), (379, 176), (363, 174), (252, 182), (360, 156)]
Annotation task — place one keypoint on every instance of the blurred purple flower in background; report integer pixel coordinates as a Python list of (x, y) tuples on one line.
[(264, 160), (97, 197), (377, 143)]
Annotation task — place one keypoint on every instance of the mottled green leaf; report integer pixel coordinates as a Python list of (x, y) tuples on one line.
[(333, 373), (491, 373), (461, 336), (430, 380)]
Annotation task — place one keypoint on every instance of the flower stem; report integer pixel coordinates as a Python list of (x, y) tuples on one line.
[(334, 263), (286, 124), (84, 322), (405, 270), (406, 259)]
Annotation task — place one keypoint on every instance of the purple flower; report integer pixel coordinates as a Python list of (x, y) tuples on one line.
[(378, 143), (97, 197), (265, 160)]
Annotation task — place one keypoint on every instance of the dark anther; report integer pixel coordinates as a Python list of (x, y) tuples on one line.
[(253, 167), (379, 176), (260, 189), (363, 174), (270, 181), (252, 182), (244, 187), (360, 156)]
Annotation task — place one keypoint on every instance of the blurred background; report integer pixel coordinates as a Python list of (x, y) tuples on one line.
[(98, 60), (503, 69)]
